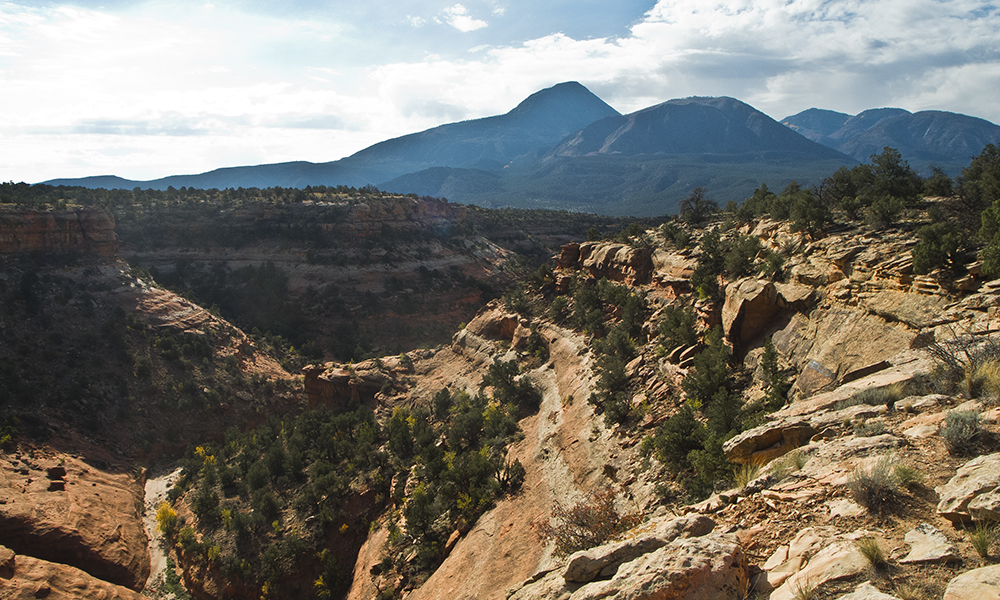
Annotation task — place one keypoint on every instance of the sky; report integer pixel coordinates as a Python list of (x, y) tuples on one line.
[(149, 88)]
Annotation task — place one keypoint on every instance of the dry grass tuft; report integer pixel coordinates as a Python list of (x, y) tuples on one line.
[(871, 549)]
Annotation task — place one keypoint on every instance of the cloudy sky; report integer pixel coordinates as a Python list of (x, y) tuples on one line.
[(145, 89)]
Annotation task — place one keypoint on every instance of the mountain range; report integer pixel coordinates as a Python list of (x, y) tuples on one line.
[(565, 148), (930, 138)]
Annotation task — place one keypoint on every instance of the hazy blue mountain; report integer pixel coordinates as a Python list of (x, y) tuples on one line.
[(924, 139), (816, 123), (531, 128), (644, 163), (717, 126)]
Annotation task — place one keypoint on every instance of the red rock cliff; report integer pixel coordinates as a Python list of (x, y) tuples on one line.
[(87, 231)]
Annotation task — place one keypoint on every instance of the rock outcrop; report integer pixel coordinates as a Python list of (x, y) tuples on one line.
[(675, 559), (80, 231), (975, 478), (28, 578), (616, 262), (67, 511)]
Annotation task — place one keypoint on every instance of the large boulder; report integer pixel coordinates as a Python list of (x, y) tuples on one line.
[(768, 441), (712, 567), (751, 305), (616, 262), (838, 560), (980, 475), (587, 565), (977, 584)]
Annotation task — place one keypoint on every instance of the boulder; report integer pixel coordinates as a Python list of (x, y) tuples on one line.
[(977, 584), (588, 564), (838, 560), (867, 591), (712, 567), (979, 476), (927, 544), (768, 441), (616, 262), (751, 305), (986, 507)]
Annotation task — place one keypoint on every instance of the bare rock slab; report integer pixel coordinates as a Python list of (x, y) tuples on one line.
[(977, 584), (927, 544), (980, 475), (867, 591)]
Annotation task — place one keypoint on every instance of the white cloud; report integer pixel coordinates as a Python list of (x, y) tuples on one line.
[(160, 89), (458, 17)]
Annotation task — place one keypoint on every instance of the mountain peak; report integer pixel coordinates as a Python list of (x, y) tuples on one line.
[(569, 97)]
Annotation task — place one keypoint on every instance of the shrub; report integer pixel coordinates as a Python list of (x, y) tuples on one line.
[(981, 537), (677, 328), (788, 464), (908, 476), (961, 432), (872, 551), (874, 488), (869, 429), (887, 395), (587, 524), (744, 474), (166, 519)]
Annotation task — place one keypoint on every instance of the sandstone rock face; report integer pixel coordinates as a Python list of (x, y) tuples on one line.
[(85, 231), (831, 343), (30, 578), (333, 385), (977, 584), (93, 523), (751, 305), (978, 476)]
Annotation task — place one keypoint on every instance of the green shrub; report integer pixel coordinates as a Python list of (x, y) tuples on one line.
[(875, 488), (908, 476), (677, 327), (961, 432)]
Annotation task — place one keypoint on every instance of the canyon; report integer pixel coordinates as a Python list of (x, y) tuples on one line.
[(847, 317)]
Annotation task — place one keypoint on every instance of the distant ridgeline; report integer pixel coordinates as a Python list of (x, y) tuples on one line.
[(565, 148)]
